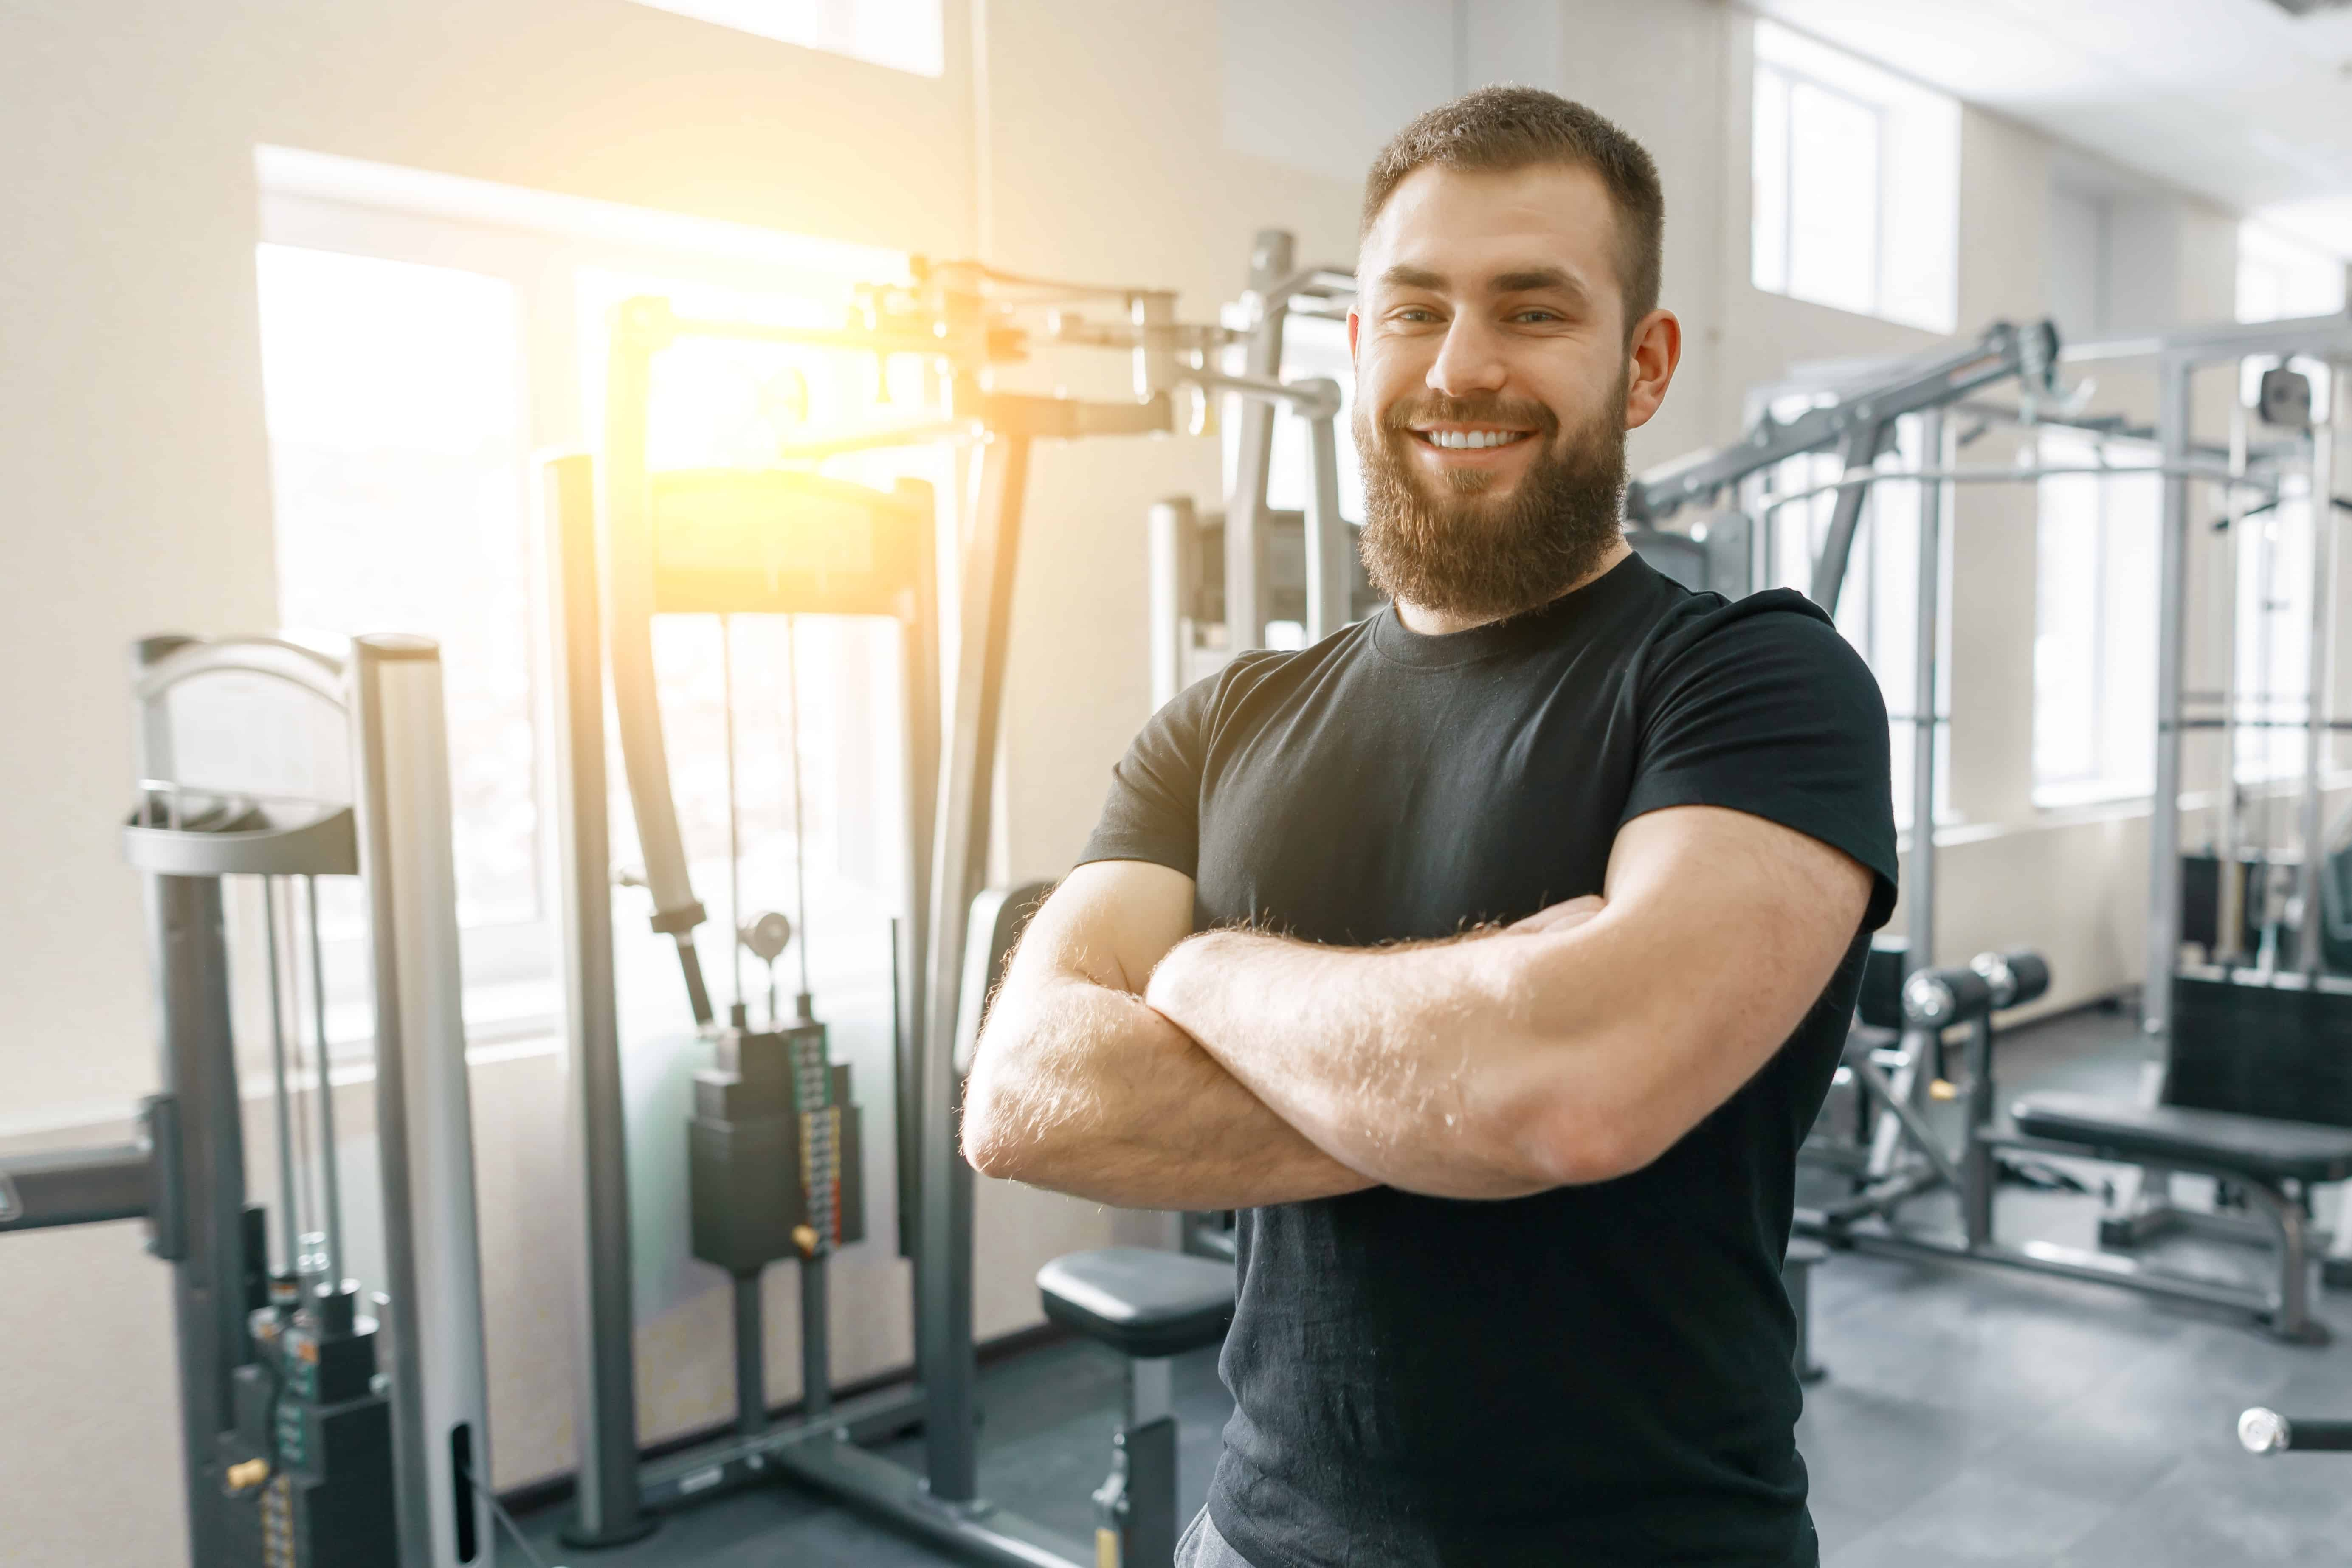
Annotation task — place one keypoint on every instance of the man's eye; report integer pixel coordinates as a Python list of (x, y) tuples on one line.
[(1417, 313), (1536, 316)]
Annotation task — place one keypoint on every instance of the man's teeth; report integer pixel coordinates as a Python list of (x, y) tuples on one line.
[(1471, 439)]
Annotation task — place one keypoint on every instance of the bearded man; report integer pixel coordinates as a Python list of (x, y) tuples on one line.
[(1493, 955)]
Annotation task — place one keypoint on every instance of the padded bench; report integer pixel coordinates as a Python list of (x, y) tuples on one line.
[(1144, 1304), (2258, 1146), (2258, 1153), (1147, 1306)]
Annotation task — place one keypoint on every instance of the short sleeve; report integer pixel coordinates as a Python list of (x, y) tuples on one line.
[(1153, 812), (1762, 707)]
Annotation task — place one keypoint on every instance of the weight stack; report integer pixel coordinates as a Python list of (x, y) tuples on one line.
[(746, 1191)]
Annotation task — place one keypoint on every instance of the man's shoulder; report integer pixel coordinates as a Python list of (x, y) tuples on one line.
[(1776, 632)]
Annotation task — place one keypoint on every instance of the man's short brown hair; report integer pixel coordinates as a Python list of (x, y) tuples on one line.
[(1500, 129)]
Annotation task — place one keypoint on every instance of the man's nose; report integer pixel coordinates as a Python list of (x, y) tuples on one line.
[(1468, 362)]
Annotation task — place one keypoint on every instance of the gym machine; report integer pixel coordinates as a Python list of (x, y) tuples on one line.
[(322, 1422), (2252, 1034), (776, 1113)]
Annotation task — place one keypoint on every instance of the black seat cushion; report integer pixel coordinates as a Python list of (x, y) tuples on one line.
[(2257, 1145), (1138, 1301)]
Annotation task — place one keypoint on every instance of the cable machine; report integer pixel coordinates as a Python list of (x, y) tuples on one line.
[(322, 1423), (776, 1118)]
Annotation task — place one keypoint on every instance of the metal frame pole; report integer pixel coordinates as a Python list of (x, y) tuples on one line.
[(1926, 718), (1271, 262), (607, 1509), (423, 1109), (1858, 450), (2176, 380), (200, 1183), (1328, 545), (2228, 877), (2319, 660), (919, 655), (959, 867)]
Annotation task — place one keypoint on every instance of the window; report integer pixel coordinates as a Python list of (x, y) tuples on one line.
[(1856, 183), (393, 397), (2279, 278), (2095, 623), (422, 340), (905, 35)]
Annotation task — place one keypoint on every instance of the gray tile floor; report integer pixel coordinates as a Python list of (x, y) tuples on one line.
[(1972, 1415)]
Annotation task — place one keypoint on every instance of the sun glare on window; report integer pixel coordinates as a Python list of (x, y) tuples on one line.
[(396, 437), (904, 35)]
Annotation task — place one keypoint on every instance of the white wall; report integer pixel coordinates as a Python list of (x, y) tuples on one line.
[(1112, 139)]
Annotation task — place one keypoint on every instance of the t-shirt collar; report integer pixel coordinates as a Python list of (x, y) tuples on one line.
[(1544, 624)]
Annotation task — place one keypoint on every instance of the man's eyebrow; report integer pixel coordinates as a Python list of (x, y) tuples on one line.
[(1524, 280), (1403, 276), (1534, 279)]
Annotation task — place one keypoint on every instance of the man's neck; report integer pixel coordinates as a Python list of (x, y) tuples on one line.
[(1436, 623)]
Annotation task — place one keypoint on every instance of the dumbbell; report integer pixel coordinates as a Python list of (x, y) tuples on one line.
[(1939, 998), (1936, 999), (2266, 1432)]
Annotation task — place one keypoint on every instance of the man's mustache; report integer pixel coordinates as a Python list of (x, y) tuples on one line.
[(1517, 413)]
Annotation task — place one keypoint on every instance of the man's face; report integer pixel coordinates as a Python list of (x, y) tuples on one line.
[(1494, 385)]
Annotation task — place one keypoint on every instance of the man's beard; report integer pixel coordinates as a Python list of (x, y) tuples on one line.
[(1460, 552)]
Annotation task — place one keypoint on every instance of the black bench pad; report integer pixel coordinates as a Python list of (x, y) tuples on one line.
[(2257, 1145), (1139, 1301)]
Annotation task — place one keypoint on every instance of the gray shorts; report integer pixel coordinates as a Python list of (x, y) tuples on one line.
[(1202, 1547)]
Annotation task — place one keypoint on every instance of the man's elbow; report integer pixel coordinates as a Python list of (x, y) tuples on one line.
[(1582, 1143), (993, 1134)]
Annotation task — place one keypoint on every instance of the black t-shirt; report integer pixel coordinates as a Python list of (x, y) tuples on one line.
[(1595, 1374)]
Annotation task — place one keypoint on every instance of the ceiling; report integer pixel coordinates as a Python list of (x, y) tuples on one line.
[(2238, 100)]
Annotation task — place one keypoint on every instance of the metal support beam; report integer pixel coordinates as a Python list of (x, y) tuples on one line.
[(958, 867), (1858, 450), (2319, 666), (203, 1169), (1926, 716), (606, 1500), (1329, 548), (1271, 266), (2173, 421)]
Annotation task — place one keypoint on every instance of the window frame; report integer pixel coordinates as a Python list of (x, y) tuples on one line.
[(427, 220)]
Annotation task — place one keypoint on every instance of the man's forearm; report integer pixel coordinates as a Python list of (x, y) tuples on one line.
[(1365, 1051), (1085, 1089)]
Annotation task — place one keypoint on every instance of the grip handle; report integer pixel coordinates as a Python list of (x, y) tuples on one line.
[(2267, 1432)]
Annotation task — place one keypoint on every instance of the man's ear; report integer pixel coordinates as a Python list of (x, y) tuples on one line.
[(1652, 354), (1355, 325)]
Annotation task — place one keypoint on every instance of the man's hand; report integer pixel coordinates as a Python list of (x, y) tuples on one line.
[(1577, 1046), (1078, 1086)]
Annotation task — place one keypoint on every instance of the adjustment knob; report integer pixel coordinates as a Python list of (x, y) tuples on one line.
[(766, 934)]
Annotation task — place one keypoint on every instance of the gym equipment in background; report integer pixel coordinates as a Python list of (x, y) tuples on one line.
[(2252, 1026), (1898, 1157), (1150, 1306), (784, 540), (322, 1422)]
